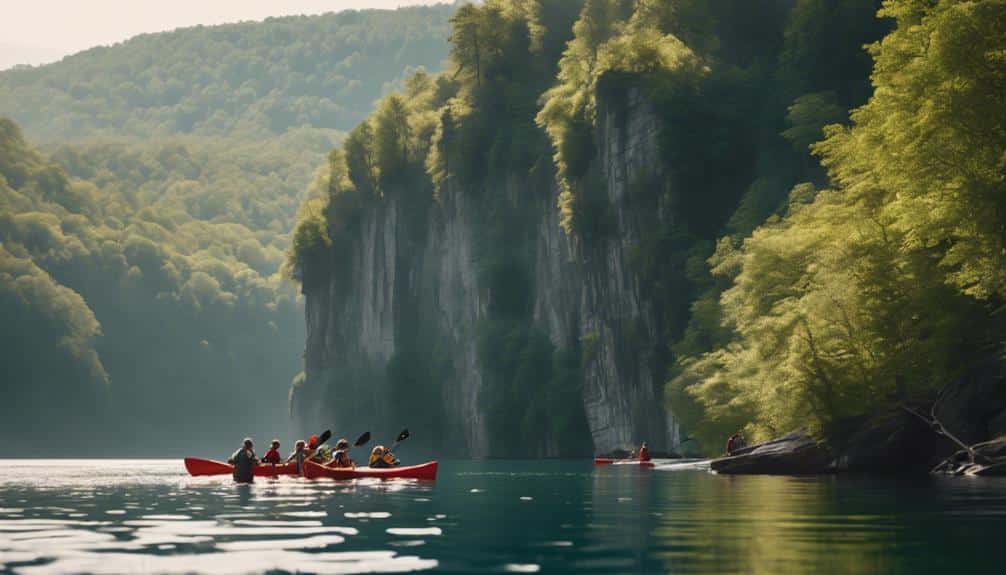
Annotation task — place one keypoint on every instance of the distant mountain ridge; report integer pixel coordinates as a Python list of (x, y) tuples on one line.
[(322, 72), (20, 54)]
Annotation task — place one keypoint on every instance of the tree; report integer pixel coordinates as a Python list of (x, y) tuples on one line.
[(929, 144), (393, 137)]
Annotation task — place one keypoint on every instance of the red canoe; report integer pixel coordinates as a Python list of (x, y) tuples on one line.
[(196, 466), (607, 461), (426, 470)]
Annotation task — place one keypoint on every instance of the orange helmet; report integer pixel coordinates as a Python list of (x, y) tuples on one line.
[(312, 441)]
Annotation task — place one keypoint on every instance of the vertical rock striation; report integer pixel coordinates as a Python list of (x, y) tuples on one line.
[(586, 295)]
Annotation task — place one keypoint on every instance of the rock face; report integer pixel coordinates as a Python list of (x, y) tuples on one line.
[(974, 407), (623, 377), (793, 454), (403, 269), (894, 443)]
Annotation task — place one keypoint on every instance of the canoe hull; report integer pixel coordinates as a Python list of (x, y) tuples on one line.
[(635, 462), (427, 471), (198, 467)]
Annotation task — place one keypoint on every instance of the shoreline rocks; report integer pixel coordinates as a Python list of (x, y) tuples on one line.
[(909, 439), (793, 454)]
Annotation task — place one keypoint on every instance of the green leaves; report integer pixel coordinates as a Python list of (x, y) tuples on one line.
[(808, 115), (876, 291), (256, 79), (166, 253), (610, 39)]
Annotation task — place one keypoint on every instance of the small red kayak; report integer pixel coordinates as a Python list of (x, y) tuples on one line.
[(607, 461), (426, 471), (196, 467)]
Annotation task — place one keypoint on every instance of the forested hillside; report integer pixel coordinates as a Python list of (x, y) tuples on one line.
[(809, 245), (250, 79), (142, 240), (130, 311)]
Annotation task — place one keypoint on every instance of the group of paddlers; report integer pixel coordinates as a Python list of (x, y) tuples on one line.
[(314, 449)]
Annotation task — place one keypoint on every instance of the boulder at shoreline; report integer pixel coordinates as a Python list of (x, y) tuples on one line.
[(793, 454)]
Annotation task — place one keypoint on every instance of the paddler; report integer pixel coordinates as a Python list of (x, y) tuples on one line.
[(381, 457), (244, 461), (272, 456), (341, 456), (317, 452), (735, 443), (644, 452), (299, 455)]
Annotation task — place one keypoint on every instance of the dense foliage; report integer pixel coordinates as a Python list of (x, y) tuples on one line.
[(129, 304), (141, 251), (802, 284), (888, 285), (252, 79)]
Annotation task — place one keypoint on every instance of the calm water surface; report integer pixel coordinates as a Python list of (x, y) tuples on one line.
[(116, 516)]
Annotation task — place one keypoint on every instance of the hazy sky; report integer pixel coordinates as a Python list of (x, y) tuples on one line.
[(36, 31)]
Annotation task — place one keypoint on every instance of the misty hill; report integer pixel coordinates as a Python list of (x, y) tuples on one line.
[(146, 201), (124, 312), (251, 78)]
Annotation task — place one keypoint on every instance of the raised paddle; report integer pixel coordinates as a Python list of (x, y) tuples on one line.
[(362, 440), (401, 437), (325, 436)]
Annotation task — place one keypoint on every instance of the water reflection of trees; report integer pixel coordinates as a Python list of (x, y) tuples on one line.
[(694, 522)]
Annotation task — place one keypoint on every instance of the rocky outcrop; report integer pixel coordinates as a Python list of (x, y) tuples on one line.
[(974, 406), (793, 454), (893, 443), (401, 271), (912, 438), (624, 374), (916, 437)]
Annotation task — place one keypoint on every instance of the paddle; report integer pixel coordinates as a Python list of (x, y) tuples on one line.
[(362, 440), (401, 437), (325, 436)]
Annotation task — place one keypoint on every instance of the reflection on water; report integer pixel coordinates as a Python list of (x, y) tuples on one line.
[(147, 516), (63, 517)]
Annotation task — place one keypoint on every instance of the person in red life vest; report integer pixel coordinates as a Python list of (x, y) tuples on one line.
[(312, 446), (644, 452), (272, 456)]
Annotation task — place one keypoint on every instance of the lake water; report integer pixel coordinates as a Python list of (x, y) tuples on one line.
[(116, 516)]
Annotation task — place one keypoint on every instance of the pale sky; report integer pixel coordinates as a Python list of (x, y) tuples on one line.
[(38, 31)]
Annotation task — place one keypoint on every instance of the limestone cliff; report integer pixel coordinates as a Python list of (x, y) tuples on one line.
[(417, 269)]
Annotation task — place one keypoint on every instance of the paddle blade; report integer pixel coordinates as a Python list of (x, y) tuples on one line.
[(325, 437), (402, 436), (362, 440)]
